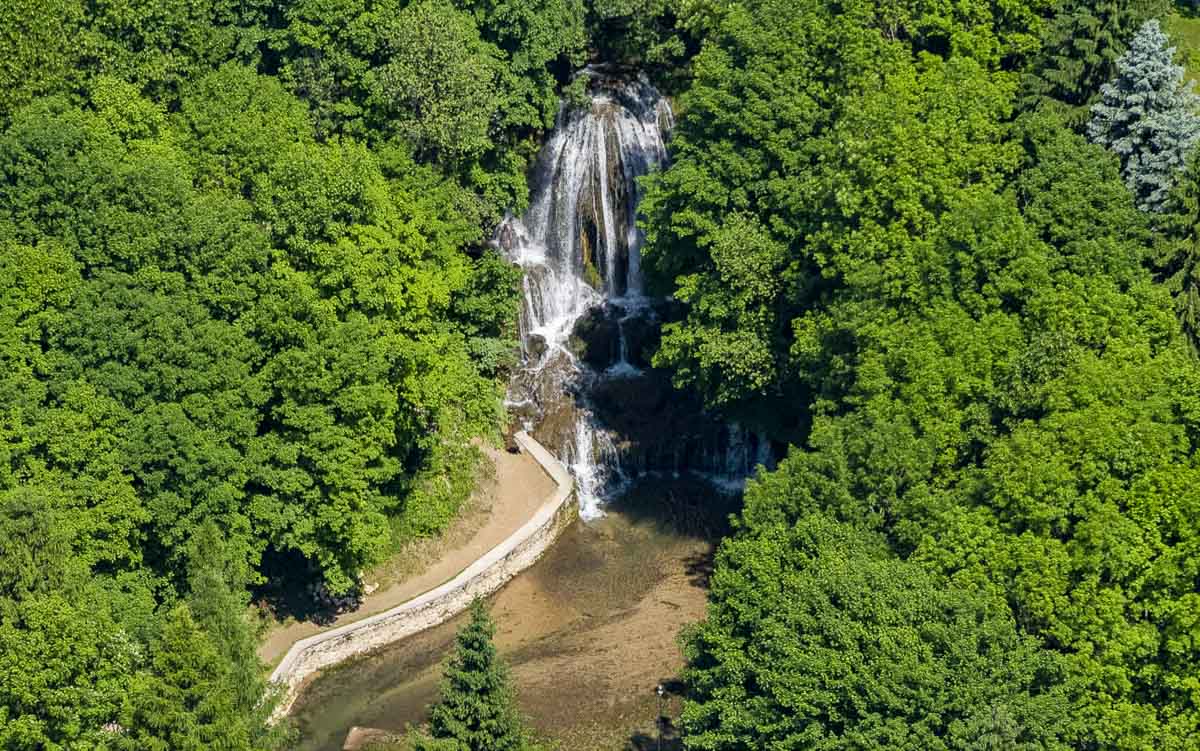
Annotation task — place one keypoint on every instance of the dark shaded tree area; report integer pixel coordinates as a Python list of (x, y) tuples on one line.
[(896, 251), (248, 317)]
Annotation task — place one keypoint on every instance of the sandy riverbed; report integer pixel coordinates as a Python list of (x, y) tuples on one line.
[(589, 631)]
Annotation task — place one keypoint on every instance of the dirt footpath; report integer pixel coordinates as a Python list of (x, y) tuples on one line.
[(502, 504)]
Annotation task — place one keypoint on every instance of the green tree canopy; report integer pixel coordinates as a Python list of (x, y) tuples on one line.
[(943, 302), (248, 319), (818, 637), (439, 86)]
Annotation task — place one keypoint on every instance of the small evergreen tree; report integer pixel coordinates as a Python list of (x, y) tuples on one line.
[(1148, 117), (477, 710)]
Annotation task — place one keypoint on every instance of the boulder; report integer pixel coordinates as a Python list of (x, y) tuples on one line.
[(596, 339), (642, 338), (535, 346)]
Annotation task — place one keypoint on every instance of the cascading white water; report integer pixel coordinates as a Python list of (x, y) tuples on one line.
[(582, 219), (580, 248)]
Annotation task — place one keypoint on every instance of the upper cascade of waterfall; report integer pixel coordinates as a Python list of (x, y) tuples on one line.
[(585, 317), (579, 242)]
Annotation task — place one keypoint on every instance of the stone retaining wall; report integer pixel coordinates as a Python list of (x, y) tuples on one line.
[(483, 577)]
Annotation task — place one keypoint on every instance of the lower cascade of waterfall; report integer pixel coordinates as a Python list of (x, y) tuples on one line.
[(585, 387)]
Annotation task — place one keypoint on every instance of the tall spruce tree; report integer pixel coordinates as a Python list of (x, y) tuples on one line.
[(1148, 117), (1079, 51), (187, 701), (1177, 257), (477, 710)]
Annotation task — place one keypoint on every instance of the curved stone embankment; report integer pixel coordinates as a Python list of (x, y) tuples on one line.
[(487, 574)]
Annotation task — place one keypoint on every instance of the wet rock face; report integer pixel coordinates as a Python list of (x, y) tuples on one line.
[(609, 335), (633, 406), (642, 336), (596, 338), (556, 425), (659, 428)]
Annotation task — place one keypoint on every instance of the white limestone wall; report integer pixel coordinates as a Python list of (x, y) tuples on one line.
[(483, 577)]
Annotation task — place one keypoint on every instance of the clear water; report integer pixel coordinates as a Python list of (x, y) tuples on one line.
[(597, 572)]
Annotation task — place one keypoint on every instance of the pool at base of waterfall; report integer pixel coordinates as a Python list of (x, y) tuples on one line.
[(588, 631)]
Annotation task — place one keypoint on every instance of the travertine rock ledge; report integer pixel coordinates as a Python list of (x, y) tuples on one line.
[(486, 575)]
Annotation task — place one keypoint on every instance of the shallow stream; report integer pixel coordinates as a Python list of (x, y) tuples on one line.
[(589, 631)]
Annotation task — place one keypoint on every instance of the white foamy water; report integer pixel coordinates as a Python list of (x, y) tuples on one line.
[(580, 248)]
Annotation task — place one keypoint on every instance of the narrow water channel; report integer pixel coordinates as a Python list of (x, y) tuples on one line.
[(589, 631)]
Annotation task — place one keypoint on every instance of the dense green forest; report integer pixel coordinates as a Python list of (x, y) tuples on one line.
[(946, 250), (249, 326), (900, 237)]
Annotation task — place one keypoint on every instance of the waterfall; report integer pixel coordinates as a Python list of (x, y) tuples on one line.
[(585, 317)]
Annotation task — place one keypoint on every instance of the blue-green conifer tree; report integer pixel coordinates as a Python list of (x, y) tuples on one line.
[(1148, 117)]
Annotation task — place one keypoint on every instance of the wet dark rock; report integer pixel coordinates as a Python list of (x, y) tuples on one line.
[(535, 346), (642, 337), (658, 428), (596, 338), (630, 402)]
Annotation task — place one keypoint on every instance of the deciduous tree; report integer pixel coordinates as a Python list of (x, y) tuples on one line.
[(817, 637)]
